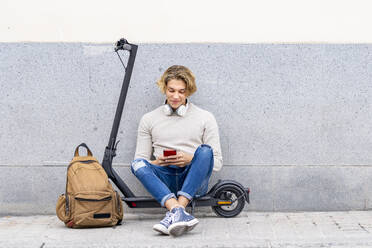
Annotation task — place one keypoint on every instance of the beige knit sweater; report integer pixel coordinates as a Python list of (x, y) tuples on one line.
[(158, 131)]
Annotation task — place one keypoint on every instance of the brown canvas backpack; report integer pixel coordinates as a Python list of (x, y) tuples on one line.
[(89, 200)]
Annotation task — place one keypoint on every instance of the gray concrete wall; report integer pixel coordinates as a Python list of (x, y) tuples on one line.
[(295, 119)]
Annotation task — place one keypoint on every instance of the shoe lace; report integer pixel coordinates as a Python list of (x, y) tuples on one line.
[(168, 218), (176, 215)]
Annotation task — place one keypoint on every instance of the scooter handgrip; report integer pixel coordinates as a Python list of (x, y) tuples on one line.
[(122, 47), (127, 47)]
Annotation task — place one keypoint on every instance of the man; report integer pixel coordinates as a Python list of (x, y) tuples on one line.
[(193, 132)]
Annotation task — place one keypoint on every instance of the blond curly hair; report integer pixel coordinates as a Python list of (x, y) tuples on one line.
[(178, 72)]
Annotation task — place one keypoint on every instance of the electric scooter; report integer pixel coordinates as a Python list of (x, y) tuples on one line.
[(227, 197)]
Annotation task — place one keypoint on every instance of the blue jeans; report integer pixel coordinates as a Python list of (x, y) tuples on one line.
[(165, 182)]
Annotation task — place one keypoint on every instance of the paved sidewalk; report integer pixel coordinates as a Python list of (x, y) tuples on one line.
[(249, 229)]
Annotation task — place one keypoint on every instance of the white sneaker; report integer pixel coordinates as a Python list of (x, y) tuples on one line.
[(162, 227), (182, 222)]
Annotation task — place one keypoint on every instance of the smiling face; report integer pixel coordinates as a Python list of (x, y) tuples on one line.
[(177, 83), (176, 93)]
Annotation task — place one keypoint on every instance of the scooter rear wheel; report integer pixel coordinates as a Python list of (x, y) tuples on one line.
[(233, 193)]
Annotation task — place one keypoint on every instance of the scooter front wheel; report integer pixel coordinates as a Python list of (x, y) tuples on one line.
[(229, 193)]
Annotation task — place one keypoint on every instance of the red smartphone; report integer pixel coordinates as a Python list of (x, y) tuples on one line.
[(167, 153)]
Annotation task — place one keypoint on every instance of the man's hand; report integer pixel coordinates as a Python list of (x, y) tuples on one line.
[(181, 159)]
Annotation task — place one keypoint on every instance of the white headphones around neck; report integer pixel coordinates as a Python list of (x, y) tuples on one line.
[(180, 111)]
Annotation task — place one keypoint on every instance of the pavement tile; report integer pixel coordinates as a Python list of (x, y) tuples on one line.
[(250, 229)]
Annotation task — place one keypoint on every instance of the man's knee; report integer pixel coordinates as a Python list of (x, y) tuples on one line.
[(206, 150), (138, 164)]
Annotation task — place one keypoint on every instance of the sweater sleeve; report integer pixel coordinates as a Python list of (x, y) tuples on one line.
[(144, 140), (211, 137)]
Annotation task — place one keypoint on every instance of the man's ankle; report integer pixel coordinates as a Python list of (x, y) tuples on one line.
[(176, 206), (171, 203)]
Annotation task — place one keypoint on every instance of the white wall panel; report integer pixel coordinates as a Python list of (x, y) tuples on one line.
[(167, 21)]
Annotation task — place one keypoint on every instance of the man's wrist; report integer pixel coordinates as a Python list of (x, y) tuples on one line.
[(154, 162)]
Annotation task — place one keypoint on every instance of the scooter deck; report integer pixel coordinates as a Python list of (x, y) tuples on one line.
[(149, 202)]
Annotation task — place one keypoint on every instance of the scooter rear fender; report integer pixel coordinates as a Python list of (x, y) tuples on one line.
[(221, 183)]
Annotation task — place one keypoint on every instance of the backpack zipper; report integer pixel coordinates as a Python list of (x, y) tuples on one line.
[(82, 161), (93, 200)]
